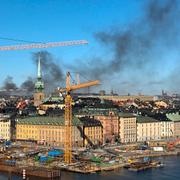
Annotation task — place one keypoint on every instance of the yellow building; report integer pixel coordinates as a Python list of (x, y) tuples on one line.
[(92, 131), (161, 104), (46, 106), (38, 98), (47, 130), (127, 128), (51, 131), (5, 129)]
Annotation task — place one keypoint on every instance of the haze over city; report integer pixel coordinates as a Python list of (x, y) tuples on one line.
[(89, 89), (133, 45)]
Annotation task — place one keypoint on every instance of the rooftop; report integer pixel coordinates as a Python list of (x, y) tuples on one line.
[(46, 120), (145, 119), (173, 116), (97, 111), (126, 115), (90, 121)]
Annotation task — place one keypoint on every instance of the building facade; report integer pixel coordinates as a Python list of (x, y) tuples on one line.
[(5, 129), (51, 131), (148, 129), (175, 117), (92, 131), (177, 129), (110, 124), (47, 130), (109, 120), (127, 128), (167, 129)]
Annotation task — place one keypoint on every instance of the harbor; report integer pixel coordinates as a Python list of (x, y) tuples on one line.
[(169, 171), (49, 163)]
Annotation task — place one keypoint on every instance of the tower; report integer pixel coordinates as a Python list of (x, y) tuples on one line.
[(39, 86)]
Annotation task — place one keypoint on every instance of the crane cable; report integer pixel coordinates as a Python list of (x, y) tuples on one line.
[(18, 40)]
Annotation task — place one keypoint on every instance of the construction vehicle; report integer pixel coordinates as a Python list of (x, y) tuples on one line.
[(68, 113)]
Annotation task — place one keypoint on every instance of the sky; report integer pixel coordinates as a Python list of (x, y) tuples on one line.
[(104, 25)]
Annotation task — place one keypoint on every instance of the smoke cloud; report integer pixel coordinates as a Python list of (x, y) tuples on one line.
[(139, 50), (137, 55), (9, 85), (28, 85)]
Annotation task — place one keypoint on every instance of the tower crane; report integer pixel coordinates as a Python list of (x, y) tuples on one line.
[(42, 45), (68, 89), (68, 113)]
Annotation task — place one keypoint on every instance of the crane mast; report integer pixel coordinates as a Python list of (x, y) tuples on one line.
[(68, 114)]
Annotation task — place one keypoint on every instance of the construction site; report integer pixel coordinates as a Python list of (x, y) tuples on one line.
[(46, 162)]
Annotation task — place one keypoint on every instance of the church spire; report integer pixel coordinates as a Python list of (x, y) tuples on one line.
[(39, 85), (39, 68)]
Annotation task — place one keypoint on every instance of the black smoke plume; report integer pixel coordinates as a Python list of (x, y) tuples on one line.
[(9, 85), (28, 85), (137, 48)]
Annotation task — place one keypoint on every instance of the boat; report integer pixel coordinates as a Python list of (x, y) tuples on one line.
[(139, 166), (160, 165)]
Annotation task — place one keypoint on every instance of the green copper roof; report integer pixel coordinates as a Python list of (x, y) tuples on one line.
[(97, 111), (46, 120), (145, 119), (173, 116), (39, 85)]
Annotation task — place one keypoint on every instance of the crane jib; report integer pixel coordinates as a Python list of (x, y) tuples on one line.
[(42, 45)]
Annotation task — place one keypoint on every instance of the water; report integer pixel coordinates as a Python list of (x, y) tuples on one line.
[(171, 171)]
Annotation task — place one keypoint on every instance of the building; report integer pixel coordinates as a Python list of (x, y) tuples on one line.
[(51, 131), (117, 98), (167, 129), (108, 118), (175, 117), (161, 104), (127, 128), (177, 129), (53, 101), (92, 131), (148, 129), (110, 124), (5, 129), (39, 87), (47, 130)]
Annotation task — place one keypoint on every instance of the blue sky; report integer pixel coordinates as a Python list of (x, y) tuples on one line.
[(61, 20)]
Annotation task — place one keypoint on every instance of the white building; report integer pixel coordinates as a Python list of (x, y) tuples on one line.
[(167, 129), (175, 117), (148, 129), (127, 128)]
